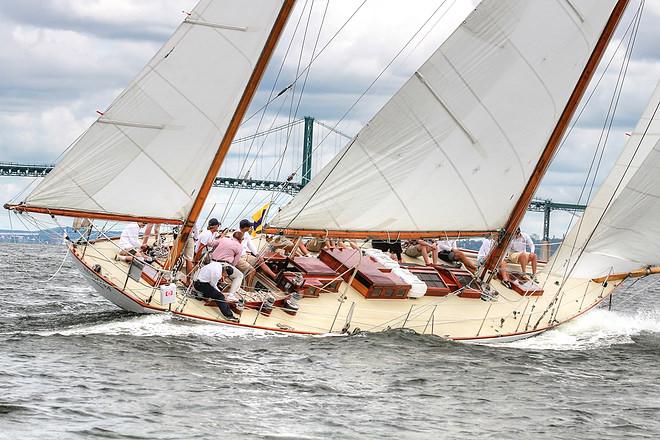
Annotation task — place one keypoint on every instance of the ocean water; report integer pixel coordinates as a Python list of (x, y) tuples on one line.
[(73, 366)]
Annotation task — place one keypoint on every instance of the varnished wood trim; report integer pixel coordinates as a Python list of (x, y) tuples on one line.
[(387, 235), (93, 215)]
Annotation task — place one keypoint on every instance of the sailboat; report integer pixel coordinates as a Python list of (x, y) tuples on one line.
[(457, 152)]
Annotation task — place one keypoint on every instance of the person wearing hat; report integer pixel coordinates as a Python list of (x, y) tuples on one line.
[(250, 258), (205, 239)]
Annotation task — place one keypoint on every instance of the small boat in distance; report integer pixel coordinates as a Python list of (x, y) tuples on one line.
[(457, 152)]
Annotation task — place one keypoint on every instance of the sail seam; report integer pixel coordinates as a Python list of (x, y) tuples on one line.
[(207, 117), (143, 151), (455, 168), (492, 117), (396, 194)]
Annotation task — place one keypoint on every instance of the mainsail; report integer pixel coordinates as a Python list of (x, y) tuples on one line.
[(619, 230), (148, 153), (455, 146)]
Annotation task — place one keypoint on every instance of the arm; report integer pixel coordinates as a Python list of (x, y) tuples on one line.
[(530, 243), (238, 250), (251, 248)]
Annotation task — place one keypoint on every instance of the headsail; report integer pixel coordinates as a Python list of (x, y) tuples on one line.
[(625, 235), (455, 146), (148, 154)]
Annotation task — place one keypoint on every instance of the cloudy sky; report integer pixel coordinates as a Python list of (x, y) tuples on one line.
[(62, 60)]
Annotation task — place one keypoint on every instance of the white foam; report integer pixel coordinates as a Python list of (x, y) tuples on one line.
[(160, 324), (597, 329)]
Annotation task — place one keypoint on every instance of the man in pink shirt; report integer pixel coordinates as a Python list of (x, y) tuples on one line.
[(228, 251)]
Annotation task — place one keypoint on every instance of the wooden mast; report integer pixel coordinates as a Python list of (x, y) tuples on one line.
[(250, 89), (553, 142)]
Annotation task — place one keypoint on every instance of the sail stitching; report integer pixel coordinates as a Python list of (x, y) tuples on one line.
[(396, 194), (143, 151), (492, 117), (456, 170), (187, 99)]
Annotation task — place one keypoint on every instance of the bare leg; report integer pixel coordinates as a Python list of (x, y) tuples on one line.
[(424, 250), (534, 261), (303, 249), (147, 233), (522, 259), (504, 272), (434, 255), (263, 266), (469, 265)]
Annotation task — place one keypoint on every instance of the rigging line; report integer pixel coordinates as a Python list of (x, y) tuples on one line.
[(304, 85), (616, 189), (302, 90), (263, 109), (578, 117), (382, 72), (595, 87), (35, 179), (230, 201), (568, 272), (268, 131), (341, 28), (605, 132), (274, 195), (602, 143)]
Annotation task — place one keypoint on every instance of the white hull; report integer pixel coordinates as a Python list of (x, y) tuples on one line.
[(109, 291), (512, 317)]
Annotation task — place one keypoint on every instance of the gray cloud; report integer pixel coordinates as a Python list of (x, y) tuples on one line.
[(64, 59)]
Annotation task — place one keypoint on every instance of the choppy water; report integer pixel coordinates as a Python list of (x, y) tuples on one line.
[(74, 366)]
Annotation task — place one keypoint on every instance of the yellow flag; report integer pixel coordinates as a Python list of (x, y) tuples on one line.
[(258, 219)]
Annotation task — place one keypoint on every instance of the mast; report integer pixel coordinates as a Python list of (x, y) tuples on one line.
[(250, 89), (553, 142)]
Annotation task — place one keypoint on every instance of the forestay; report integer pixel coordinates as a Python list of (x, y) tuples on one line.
[(627, 235), (455, 146), (147, 155)]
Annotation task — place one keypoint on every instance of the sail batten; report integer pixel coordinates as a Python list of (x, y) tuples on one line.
[(146, 156), (461, 139)]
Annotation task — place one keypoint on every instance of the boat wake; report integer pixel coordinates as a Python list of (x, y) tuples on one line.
[(597, 329), (156, 325)]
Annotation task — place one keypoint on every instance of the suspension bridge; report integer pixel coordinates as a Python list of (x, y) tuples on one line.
[(320, 142)]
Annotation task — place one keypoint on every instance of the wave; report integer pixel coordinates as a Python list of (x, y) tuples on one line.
[(160, 324), (597, 329)]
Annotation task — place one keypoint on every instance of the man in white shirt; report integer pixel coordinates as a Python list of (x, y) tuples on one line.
[(206, 282), (487, 246), (448, 251), (129, 244), (250, 257), (205, 239), (518, 252)]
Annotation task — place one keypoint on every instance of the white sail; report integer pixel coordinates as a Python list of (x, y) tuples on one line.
[(147, 155), (455, 146), (626, 236)]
